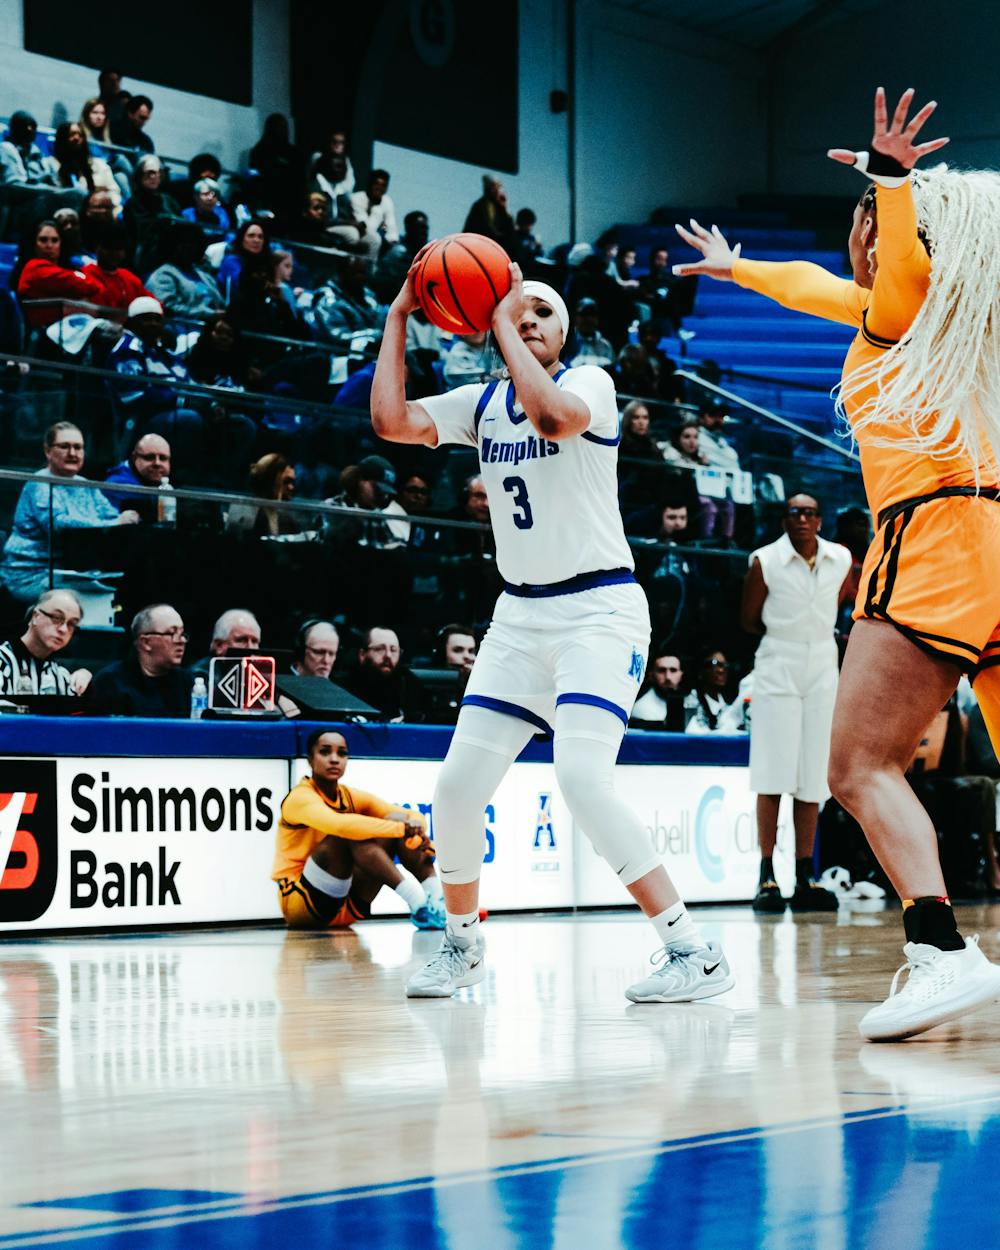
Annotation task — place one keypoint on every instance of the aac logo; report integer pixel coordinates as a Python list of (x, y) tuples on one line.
[(29, 858)]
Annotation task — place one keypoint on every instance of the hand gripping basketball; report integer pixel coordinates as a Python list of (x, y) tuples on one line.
[(460, 280)]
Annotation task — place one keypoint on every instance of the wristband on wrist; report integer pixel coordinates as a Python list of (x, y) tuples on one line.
[(884, 170)]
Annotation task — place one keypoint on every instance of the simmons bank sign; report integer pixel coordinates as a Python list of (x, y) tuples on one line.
[(93, 843)]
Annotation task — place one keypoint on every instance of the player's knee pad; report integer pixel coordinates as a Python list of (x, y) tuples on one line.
[(483, 748), (585, 773)]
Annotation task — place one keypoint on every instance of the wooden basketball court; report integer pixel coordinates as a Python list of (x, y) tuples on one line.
[(252, 1087)]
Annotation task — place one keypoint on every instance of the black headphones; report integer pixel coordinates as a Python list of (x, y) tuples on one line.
[(299, 645)]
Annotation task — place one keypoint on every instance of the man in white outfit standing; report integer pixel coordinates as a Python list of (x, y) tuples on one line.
[(791, 595)]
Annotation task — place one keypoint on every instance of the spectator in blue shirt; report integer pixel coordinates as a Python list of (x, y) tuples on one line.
[(148, 465), (251, 251), (208, 211), (209, 448), (42, 512), (26, 182)]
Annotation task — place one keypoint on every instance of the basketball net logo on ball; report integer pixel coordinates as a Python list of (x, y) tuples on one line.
[(460, 282)]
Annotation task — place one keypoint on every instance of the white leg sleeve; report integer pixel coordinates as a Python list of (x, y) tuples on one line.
[(484, 746), (586, 747)]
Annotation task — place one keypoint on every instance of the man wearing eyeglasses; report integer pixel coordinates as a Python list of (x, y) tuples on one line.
[(791, 595), (27, 665), (150, 680)]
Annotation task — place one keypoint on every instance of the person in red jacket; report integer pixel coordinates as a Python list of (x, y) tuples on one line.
[(44, 273), (115, 285)]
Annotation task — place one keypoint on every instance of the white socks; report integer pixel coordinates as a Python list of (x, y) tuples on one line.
[(463, 929), (433, 892), (676, 928), (410, 890)]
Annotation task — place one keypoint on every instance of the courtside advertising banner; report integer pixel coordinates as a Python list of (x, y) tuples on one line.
[(109, 842)]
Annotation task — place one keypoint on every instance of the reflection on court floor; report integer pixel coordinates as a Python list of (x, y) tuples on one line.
[(251, 1087)]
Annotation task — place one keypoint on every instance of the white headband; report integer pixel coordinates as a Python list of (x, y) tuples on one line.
[(542, 291)]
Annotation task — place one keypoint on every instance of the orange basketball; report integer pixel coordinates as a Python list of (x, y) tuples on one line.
[(461, 280)]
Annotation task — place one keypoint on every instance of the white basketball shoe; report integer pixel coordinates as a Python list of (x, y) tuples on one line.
[(683, 976), (452, 968), (942, 986)]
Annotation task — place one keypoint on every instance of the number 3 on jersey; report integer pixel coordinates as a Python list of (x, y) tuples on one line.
[(522, 517)]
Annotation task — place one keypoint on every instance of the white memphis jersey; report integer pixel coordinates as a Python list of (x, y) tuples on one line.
[(553, 505)]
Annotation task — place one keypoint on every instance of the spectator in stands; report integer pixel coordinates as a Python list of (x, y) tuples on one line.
[(208, 448), (267, 302), (68, 224), (72, 164), (456, 648), (473, 505), (489, 214), (413, 499), (26, 182), (111, 95), (639, 485), (348, 311), (43, 272), (625, 266), (668, 387), (27, 664), (468, 360), (114, 285), (183, 284), (330, 170), (379, 680), (271, 477), (149, 213), (202, 166), (208, 211), (150, 681), (368, 487), (94, 120), (314, 225), (249, 252), (147, 465), (277, 164), (527, 246), (375, 214), (662, 703), (38, 518), (397, 259), (97, 210), (684, 448), (667, 297), (632, 372), (316, 651), (128, 130), (587, 345), (717, 517), (667, 577), (237, 629), (710, 709), (220, 357)]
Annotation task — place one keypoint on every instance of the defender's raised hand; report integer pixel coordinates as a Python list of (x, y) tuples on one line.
[(896, 140), (718, 256)]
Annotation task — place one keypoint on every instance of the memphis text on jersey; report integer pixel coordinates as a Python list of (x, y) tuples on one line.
[(496, 451)]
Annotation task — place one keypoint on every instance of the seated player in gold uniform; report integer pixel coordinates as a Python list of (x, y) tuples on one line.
[(336, 848)]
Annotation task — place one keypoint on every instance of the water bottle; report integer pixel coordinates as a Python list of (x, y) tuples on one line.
[(199, 698), (166, 505)]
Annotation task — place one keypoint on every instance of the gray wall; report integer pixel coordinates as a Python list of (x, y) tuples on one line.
[(824, 83), (182, 124)]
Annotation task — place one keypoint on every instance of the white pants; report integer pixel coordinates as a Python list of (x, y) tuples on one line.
[(794, 690)]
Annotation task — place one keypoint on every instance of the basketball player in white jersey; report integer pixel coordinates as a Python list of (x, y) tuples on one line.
[(565, 651)]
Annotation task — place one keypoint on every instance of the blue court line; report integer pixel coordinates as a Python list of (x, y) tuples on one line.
[(137, 1200), (249, 1208)]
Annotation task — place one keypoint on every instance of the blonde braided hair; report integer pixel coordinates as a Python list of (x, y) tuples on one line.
[(937, 391)]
